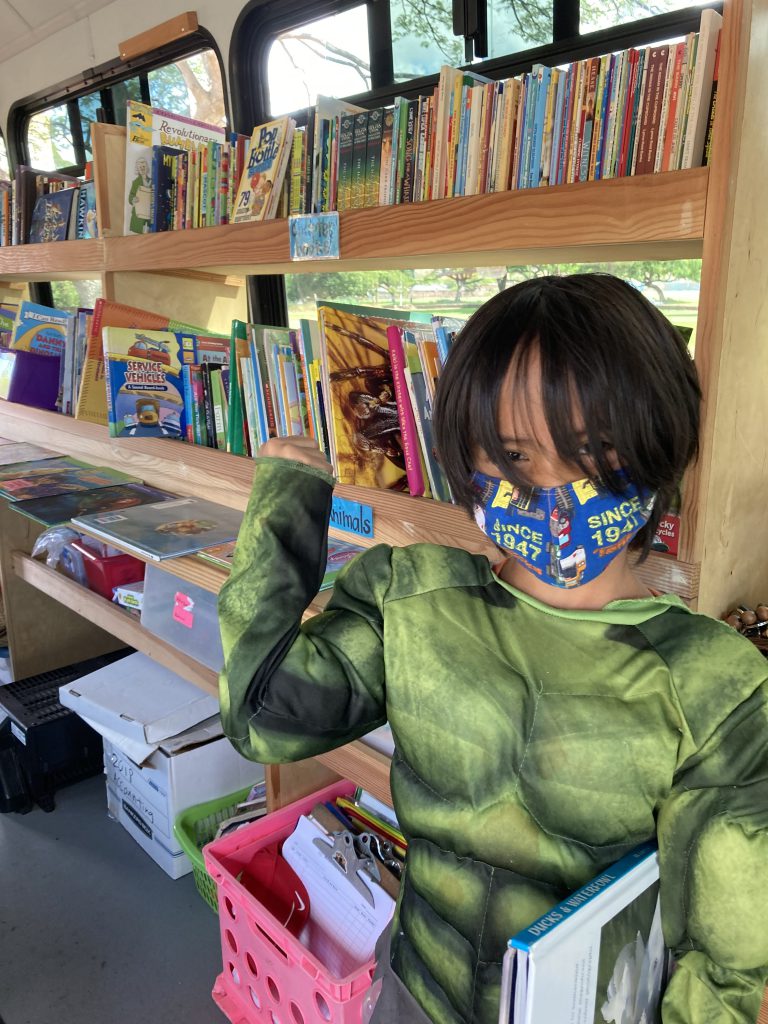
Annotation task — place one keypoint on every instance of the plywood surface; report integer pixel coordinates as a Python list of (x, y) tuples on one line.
[(733, 483)]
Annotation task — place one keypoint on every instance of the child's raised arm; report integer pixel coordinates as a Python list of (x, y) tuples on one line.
[(713, 847), (290, 691)]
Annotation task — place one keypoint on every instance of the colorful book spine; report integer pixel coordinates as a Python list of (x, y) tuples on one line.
[(408, 431), (359, 146), (373, 156)]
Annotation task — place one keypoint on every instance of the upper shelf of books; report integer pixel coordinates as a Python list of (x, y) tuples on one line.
[(653, 215)]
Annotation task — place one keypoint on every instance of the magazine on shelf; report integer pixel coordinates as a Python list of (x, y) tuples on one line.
[(169, 529), (55, 476), (339, 553), (60, 508), (598, 957)]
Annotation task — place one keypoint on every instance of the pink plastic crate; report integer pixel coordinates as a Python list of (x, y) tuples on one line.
[(268, 975)]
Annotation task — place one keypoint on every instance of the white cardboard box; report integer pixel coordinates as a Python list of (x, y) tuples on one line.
[(147, 798), (164, 750)]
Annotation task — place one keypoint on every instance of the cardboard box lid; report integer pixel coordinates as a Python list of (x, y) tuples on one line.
[(139, 699), (139, 752)]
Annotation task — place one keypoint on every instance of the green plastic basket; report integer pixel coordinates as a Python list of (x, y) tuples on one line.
[(196, 827)]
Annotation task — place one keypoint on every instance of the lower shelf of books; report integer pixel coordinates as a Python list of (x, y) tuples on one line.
[(356, 761)]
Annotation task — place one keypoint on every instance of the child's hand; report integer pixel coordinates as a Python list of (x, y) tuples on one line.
[(299, 449)]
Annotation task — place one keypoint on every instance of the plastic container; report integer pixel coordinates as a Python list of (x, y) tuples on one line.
[(195, 828), (106, 573), (43, 745), (268, 975), (184, 615)]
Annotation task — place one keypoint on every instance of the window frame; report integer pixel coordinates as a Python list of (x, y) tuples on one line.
[(261, 21), (101, 79)]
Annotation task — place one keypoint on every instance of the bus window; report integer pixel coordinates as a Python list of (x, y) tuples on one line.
[(58, 137)]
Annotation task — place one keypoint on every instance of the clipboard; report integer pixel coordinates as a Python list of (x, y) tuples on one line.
[(348, 908)]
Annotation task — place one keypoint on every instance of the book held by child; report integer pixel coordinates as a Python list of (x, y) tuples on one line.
[(598, 957)]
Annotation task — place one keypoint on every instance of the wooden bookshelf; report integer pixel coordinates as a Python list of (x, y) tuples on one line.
[(659, 216)]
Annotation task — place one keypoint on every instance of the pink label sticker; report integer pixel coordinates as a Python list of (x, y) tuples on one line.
[(183, 610)]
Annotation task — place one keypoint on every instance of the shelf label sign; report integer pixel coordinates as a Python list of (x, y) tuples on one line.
[(352, 517), (314, 236)]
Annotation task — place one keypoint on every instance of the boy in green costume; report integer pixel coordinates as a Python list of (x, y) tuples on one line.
[(549, 713)]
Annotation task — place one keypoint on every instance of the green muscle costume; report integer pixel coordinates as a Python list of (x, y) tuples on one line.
[(534, 746)]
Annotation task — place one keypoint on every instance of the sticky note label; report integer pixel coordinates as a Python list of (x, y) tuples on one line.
[(183, 610), (314, 236)]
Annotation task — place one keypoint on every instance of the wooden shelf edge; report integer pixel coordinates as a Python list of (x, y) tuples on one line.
[(46, 261), (661, 213), (652, 214), (112, 619), (362, 765)]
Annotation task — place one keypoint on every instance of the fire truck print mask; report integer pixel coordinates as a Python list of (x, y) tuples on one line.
[(565, 535)]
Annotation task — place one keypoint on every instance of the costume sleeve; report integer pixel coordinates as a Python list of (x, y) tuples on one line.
[(713, 848), (288, 690)]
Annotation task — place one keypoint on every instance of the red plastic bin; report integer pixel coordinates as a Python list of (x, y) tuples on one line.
[(106, 573), (268, 974)]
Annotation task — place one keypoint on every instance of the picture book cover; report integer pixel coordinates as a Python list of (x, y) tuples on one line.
[(366, 428), (86, 225), (145, 390), (51, 216), (147, 127), (19, 452), (50, 461), (40, 329), (220, 554), (92, 396), (60, 508), (182, 526), (30, 378), (54, 476), (339, 553), (598, 957), (262, 180), (8, 313)]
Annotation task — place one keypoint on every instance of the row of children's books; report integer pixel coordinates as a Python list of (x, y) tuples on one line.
[(179, 172), (43, 206), (628, 113), (123, 513), (359, 380)]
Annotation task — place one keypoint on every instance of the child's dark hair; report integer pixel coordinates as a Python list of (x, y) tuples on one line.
[(606, 354)]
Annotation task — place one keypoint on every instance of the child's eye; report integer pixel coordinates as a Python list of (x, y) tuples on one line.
[(585, 450), (515, 456)]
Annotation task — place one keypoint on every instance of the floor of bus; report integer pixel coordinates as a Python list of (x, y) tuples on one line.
[(92, 929)]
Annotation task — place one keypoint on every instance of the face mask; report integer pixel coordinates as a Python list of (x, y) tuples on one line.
[(566, 536)]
